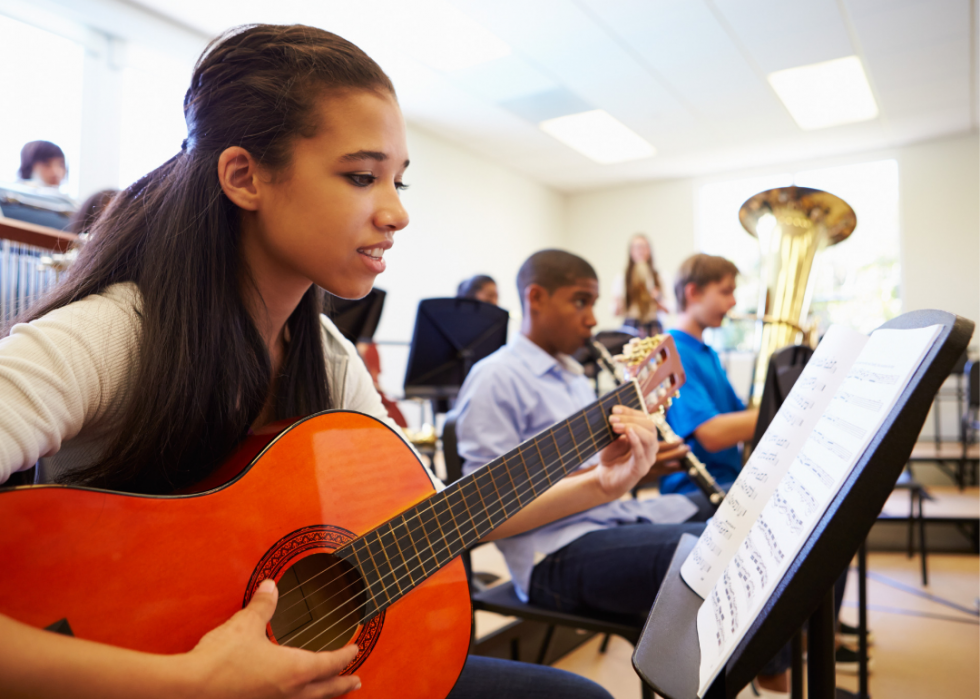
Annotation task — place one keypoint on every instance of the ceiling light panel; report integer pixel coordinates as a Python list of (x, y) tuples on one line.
[(599, 136), (826, 94)]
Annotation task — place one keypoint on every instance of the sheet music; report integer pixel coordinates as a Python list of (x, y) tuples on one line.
[(777, 449), (830, 451)]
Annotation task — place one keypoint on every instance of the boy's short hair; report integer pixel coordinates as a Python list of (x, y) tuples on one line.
[(701, 270), (552, 269)]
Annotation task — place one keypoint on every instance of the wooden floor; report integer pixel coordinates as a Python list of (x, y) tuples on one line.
[(927, 639)]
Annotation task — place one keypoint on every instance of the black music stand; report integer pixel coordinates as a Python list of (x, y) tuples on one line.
[(588, 356), (450, 336), (668, 655), (357, 319)]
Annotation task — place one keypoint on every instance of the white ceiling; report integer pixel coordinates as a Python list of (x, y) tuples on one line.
[(688, 75)]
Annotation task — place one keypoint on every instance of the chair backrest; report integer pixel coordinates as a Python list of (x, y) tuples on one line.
[(972, 371), (785, 367), (450, 450)]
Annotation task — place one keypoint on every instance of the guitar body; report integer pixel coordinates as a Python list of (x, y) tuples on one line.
[(156, 573)]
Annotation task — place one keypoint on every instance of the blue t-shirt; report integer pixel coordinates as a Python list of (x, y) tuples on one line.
[(706, 393)]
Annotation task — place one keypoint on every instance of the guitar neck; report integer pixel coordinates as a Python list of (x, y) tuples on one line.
[(398, 555)]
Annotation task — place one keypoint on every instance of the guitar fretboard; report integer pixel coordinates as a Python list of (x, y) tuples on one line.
[(398, 555)]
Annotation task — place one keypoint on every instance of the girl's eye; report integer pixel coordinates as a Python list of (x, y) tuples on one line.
[(401, 186), (361, 179)]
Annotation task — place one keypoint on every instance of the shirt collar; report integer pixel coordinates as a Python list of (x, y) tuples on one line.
[(688, 339), (539, 361)]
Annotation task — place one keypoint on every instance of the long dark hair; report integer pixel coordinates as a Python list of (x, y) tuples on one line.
[(640, 295), (204, 371)]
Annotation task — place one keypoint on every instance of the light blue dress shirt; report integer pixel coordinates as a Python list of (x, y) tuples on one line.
[(512, 395)]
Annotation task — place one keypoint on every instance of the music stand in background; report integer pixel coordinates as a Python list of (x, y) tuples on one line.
[(357, 319), (668, 654), (450, 336), (588, 356)]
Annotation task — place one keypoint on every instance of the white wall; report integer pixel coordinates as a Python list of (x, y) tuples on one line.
[(467, 216), (940, 223)]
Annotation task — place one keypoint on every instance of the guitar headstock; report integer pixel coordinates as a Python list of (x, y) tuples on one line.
[(655, 365)]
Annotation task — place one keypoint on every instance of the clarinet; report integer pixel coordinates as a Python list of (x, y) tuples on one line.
[(693, 466)]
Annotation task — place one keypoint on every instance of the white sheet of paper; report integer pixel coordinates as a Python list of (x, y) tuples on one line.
[(830, 451), (777, 449)]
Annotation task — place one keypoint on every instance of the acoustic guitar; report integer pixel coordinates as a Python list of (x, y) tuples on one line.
[(334, 507)]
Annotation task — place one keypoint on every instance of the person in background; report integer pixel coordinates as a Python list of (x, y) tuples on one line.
[(637, 295), (707, 415), (611, 555), (90, 210), (42, 162), (481, 287)]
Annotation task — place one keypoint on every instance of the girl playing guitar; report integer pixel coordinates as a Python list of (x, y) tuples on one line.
[(193, 316)]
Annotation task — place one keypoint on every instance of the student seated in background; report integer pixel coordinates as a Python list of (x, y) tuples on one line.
[(708, 414), (613, 554), (479, 287)]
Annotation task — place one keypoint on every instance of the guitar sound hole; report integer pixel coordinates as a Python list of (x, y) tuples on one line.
[(321, 602)]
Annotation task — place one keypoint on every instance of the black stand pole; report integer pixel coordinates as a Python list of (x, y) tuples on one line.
[(821, 669), (796, 672), (863, 620)]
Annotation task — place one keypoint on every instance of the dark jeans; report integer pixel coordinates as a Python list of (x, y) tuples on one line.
[(490, 678), (617, 570)]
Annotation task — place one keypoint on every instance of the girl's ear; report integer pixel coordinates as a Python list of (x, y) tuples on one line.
[(239, 177)]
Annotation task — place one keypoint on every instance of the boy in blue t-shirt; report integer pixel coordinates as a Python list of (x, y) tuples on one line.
[(707, 415)]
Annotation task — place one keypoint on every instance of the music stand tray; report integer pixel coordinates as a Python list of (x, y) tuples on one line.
[(450, 336), (668, 655)]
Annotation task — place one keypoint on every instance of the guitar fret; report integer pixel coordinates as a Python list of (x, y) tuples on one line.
[(544, 464), (415, 548), (364, 572), (439, 518), (401, 554), (493, 481), (375, 558), (425, 518), (561, 459), (520, 504), (477, 529), (449, 506), (528, 472), (574, 441), (387, 544), (595, 444), (479, 491)]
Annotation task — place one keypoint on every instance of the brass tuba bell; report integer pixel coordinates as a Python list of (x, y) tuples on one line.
[(792, 225)]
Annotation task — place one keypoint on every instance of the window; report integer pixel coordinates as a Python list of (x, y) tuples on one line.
[(856, 282), (152, 128), (43, 96)]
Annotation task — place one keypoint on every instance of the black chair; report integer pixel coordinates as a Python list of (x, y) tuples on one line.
[(970, 422), (502, 598)]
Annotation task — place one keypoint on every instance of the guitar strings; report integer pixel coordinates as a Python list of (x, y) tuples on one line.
[(522, 449), (398, 539), (408, 571), (389, 586), (431, 550)]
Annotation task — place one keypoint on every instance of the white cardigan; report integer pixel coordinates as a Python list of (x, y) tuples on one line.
[(65, 381)]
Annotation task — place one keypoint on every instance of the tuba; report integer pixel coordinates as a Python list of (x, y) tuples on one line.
[(792, 224)]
